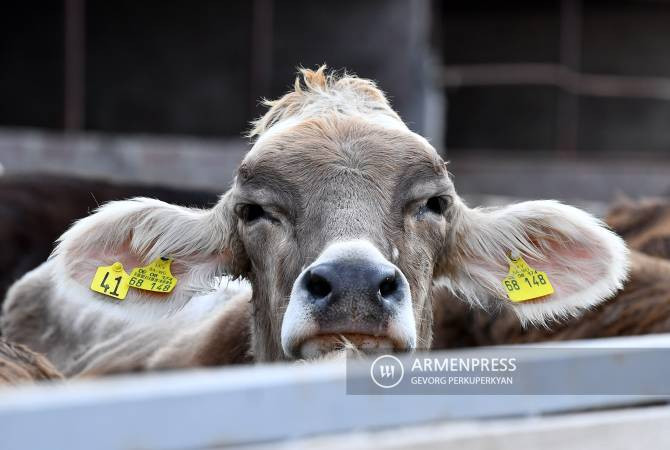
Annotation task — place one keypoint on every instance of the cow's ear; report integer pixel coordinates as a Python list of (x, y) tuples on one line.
[(202, 243), (584, 261)]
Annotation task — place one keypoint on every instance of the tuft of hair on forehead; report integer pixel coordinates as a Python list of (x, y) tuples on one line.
[(322, 93)]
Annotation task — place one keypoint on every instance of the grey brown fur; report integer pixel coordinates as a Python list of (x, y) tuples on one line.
[(19, 365)]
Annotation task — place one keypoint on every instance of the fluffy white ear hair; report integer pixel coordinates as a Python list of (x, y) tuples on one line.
[(586, 262), (135, 232)]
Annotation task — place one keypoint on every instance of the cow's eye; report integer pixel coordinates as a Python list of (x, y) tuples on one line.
[(250, 212), (437, 205)]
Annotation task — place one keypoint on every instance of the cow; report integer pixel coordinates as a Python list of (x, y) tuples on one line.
[(19, 365), (36, 208), (340, 219)]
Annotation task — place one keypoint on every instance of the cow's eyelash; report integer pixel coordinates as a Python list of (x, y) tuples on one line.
[(251, 212), (437, 205)]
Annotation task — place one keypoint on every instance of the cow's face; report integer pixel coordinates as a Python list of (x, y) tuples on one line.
[(343, 222), (346, 222), (343, 218)]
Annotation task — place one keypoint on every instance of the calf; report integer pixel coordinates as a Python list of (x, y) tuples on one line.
[(340, 218)]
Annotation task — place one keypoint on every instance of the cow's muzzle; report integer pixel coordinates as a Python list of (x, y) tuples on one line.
[(351, 295)]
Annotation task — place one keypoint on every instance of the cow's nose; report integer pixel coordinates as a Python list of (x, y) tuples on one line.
[(363, 281), (351, 292)]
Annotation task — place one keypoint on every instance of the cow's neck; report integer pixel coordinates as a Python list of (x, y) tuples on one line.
[(266, 331)]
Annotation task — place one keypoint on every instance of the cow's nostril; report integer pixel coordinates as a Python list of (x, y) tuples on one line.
[(317, 285), (389, 285)]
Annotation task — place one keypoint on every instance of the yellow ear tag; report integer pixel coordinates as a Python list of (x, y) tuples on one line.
[(155, 277), (112, 281), (525, 283)]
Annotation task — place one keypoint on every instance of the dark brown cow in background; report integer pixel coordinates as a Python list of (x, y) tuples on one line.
[(644, 224)]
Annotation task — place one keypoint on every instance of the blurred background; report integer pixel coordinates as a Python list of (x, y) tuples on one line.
[(567, 99)]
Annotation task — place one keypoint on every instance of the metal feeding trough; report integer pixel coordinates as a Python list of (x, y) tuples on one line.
[(263, 404)]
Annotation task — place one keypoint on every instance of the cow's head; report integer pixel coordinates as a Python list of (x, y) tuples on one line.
[(342, 218)]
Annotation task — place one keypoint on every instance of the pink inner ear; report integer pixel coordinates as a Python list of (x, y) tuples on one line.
[(572, 267), (82, 266)]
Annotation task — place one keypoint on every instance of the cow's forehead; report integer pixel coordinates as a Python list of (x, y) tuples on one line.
[(311, 152)]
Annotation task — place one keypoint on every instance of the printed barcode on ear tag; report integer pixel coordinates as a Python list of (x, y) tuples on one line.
[(112, 281), (525, 283), (154, 277)]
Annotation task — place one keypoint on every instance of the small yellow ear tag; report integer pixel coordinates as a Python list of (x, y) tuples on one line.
[(155, 277), (112, 281), (525, 283)]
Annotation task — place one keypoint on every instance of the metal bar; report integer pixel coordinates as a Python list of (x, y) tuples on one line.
[(74, 106), (640, 428), (455, 76), (186, 162), (246, 405), (261, 53), (567, 111)]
